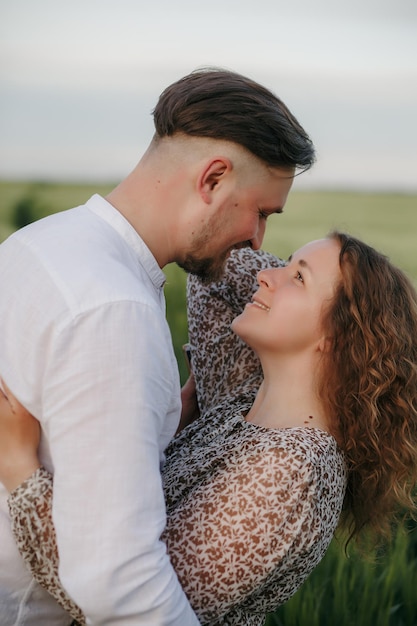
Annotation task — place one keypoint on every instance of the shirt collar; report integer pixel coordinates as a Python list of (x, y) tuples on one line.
[(101, 207)]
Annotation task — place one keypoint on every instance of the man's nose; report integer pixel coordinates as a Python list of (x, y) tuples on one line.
[(257, 240)]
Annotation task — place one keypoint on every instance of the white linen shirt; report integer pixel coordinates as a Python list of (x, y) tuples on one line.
[(86, 348)]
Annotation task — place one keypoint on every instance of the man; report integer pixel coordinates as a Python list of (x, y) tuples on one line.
[(85, 346)]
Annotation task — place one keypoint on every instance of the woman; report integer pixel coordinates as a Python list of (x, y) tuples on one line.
[(321, 430)]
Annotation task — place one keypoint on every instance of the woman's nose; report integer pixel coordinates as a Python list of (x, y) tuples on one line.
[(271, 277), (265, 278)]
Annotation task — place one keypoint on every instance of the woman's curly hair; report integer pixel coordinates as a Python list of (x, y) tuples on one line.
[(370, 384)]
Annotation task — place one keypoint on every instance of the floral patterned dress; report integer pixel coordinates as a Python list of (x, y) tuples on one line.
[(251, 510)]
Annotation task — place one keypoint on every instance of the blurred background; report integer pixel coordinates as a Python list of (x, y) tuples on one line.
[(79, 79)]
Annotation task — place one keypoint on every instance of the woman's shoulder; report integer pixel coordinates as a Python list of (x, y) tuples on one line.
[(308, 452)]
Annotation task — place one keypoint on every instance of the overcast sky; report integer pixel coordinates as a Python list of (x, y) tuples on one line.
[(79, 78)]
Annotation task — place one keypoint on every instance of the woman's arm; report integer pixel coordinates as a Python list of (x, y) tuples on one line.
[(30, 500), (233, 534), (222, 364), (19, 440), (225, 539), (30, 506)]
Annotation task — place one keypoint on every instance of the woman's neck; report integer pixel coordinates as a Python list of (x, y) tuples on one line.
[(287, 398)]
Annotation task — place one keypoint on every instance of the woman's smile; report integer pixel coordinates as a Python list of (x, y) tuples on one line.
[(259, 304)]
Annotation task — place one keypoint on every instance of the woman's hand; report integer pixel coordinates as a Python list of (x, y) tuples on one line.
[(190, 410), (19, 441)]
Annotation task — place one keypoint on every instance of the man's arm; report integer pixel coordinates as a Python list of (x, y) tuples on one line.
[(107, 398)]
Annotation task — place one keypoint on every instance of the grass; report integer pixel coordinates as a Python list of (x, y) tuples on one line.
[(341, 591), (356, 591), (386, 221)]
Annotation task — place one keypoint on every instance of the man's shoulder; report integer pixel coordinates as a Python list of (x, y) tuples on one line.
[(75, 260)]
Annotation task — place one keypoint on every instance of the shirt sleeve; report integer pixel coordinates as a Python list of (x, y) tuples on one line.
[(106, 401), (223, 365)]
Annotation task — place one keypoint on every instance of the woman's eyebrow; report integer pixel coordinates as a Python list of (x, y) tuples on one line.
[(300, 262)]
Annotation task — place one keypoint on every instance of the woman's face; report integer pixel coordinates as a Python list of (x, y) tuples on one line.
[(285, 314)]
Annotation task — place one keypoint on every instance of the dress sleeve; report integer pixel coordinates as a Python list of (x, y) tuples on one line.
[(239, 527), (223, 365), (225, 539), (30, 506)]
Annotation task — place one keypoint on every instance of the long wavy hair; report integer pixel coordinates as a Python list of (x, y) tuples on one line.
[(369, 387)]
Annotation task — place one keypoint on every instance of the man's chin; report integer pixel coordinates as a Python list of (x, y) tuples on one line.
[(239, 246), (207, 270), (211, 274)]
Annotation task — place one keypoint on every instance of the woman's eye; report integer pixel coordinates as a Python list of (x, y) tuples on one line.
[(262, 214), (299, 277)]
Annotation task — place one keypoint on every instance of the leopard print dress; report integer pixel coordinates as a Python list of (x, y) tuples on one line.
[(251, 510)]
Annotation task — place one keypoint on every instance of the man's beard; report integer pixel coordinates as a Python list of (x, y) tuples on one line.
[(207, 269)]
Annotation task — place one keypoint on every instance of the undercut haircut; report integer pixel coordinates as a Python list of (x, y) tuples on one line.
[(222, 104)]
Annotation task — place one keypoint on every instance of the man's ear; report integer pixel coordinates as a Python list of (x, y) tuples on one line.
[(210, 177)]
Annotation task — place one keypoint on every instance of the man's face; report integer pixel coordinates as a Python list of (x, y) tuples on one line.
[(239, 221)]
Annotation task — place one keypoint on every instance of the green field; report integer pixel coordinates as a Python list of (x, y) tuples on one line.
[(341, 591), (386, 221)]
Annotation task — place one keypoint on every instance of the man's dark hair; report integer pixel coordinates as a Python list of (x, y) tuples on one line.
[(221, 104)]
